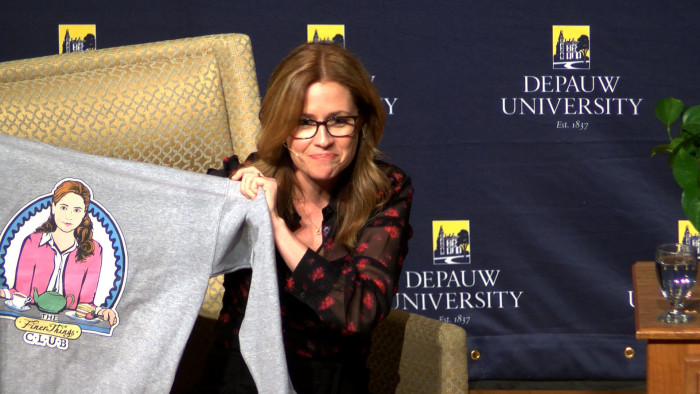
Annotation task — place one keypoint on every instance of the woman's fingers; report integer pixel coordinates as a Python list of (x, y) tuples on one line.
[(250, 183), (238, 175), (251, 178)]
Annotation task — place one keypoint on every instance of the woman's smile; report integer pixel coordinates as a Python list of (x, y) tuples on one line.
[(323, 156)]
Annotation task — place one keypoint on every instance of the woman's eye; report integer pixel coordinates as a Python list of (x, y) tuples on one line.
[(338, 121), (306, 123)]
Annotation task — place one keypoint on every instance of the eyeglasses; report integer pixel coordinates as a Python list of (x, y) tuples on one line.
[(337, 126)]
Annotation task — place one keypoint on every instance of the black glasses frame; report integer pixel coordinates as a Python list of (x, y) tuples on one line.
[(328, 130)]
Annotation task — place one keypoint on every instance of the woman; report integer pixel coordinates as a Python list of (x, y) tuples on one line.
[(339, 217), (61, 255)]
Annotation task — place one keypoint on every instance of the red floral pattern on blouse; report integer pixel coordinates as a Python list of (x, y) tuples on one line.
[(335, 296)]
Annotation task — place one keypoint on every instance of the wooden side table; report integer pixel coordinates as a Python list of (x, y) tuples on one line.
[(673, 350)]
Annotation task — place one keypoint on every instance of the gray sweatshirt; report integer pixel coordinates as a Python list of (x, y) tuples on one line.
[(162, 233)]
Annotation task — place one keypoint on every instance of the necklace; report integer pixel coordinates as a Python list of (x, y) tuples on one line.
[(308, 223), (316, 229)]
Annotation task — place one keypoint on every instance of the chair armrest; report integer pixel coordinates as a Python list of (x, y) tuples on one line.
[(415, 354)]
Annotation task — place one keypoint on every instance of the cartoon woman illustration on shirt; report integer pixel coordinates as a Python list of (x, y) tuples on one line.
[(61, 255)]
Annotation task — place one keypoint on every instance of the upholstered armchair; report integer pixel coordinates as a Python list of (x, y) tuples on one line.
[(186, 104)]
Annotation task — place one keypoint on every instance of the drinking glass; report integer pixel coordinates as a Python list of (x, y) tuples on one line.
[(676, 270)]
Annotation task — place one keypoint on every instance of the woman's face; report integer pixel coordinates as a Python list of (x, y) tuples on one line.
[(322, 158), (68, 212)]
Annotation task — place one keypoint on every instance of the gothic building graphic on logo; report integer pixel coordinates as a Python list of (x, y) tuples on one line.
[(78, 44), (81, 39), (690, 236), (326, 33), (452, 244), (571, 48)]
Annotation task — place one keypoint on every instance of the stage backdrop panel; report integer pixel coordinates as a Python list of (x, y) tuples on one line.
[(526, 128)]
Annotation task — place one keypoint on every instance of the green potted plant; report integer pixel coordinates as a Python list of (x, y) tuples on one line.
[(684, 152)]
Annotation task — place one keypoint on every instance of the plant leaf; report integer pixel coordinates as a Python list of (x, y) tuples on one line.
[(668, 110), (666, 148), (691, 119), (690, 202), (676, 142), (685, 170)]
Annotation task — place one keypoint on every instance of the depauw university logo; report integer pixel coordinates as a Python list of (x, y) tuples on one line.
[(76, 38), (451, 244), (326, 33), (571, 47)]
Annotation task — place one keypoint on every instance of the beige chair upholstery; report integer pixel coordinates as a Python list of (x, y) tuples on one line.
[(184, 103), (411, 353), (187, 104)]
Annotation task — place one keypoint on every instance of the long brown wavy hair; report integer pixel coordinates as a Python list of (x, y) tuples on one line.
[(83, 233), (362, 187)]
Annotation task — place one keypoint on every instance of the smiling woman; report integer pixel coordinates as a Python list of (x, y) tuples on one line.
[(339, 216)]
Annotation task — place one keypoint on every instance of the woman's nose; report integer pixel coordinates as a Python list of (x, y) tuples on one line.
[(323, 137)]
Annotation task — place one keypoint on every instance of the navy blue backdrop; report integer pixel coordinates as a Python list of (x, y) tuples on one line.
[(545, 171)]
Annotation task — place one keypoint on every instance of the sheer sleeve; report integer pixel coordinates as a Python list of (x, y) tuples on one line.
[(230, 165), (354, 293)]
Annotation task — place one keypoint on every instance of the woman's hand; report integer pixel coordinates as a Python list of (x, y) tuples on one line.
[(251, 179), (289, 246)]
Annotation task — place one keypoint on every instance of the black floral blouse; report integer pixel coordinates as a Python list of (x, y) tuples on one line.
[(335, 296)]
